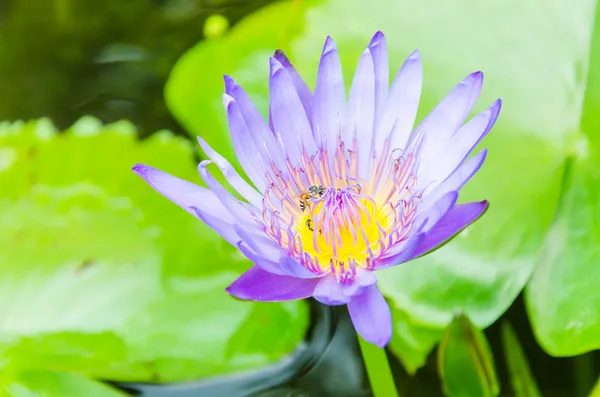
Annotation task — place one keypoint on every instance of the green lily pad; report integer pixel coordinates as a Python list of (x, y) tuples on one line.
[(104, 277), (54, 384), (562, 297), (465, 362), (537, 67), (412, 342)]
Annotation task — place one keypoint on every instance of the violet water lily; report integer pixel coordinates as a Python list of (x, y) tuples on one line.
[(341, 187)]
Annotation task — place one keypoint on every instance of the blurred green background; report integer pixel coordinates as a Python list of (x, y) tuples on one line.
[(102, 278)]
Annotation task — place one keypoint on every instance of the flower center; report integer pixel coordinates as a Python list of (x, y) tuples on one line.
[(331, 220), (340, 227)]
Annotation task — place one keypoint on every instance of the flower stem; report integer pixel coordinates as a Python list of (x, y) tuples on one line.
[(378, 369)]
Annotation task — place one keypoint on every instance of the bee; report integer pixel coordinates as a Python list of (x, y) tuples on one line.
[(313, 192), (308, 224)]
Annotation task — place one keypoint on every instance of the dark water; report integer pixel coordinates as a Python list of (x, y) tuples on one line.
[(67, 58)]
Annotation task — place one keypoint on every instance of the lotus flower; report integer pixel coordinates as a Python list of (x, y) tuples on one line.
[(340, 188)]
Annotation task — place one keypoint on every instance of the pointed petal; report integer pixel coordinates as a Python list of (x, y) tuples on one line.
[(434, 212), (400, 253), (400, 109), (289, 118), (457, 219), (248, 153), (460, 146), (240, 213), (257, 285), (449, 115), (329, 292), (329, 99), (358, 130), (378, 49), (234, 179), (224, 229), (458, 178), (264, 139), (304, 93), (371, 316), (184, 193), (270, 256)]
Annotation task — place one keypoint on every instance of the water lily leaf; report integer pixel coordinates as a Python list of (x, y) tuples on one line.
[(542, 86), (104, 277), (412, 342), (465, 362), (54, 384), (522, 380), (562, 297)]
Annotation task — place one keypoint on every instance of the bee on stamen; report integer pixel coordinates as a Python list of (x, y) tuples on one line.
[(313, 192), (309, 225)]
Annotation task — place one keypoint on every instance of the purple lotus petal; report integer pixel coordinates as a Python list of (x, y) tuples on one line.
[(364, 278), (224, 229), (257, 285), (276, 258), (378, 49), (449, 115), (184, 193), (265, 264), (400, 109), (250, 156), (402, 253), (457, 219), (329, 99), (358, 131), (371, 316), (458, 178), (289, 118), (234, 179), (461, 144), (438, 209), (241, 215), (264, 139), (304, 93), (329, 292)]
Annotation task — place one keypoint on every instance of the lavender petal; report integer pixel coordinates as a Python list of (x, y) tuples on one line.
[(400, 108), (329, 99), (289, 118), (448, 116), (371, 316), (184, 193), (329, 292), (457, 219), (360, 120), (304, 93), (378, 49), (234, 179), (460, 145), (258, 285)]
